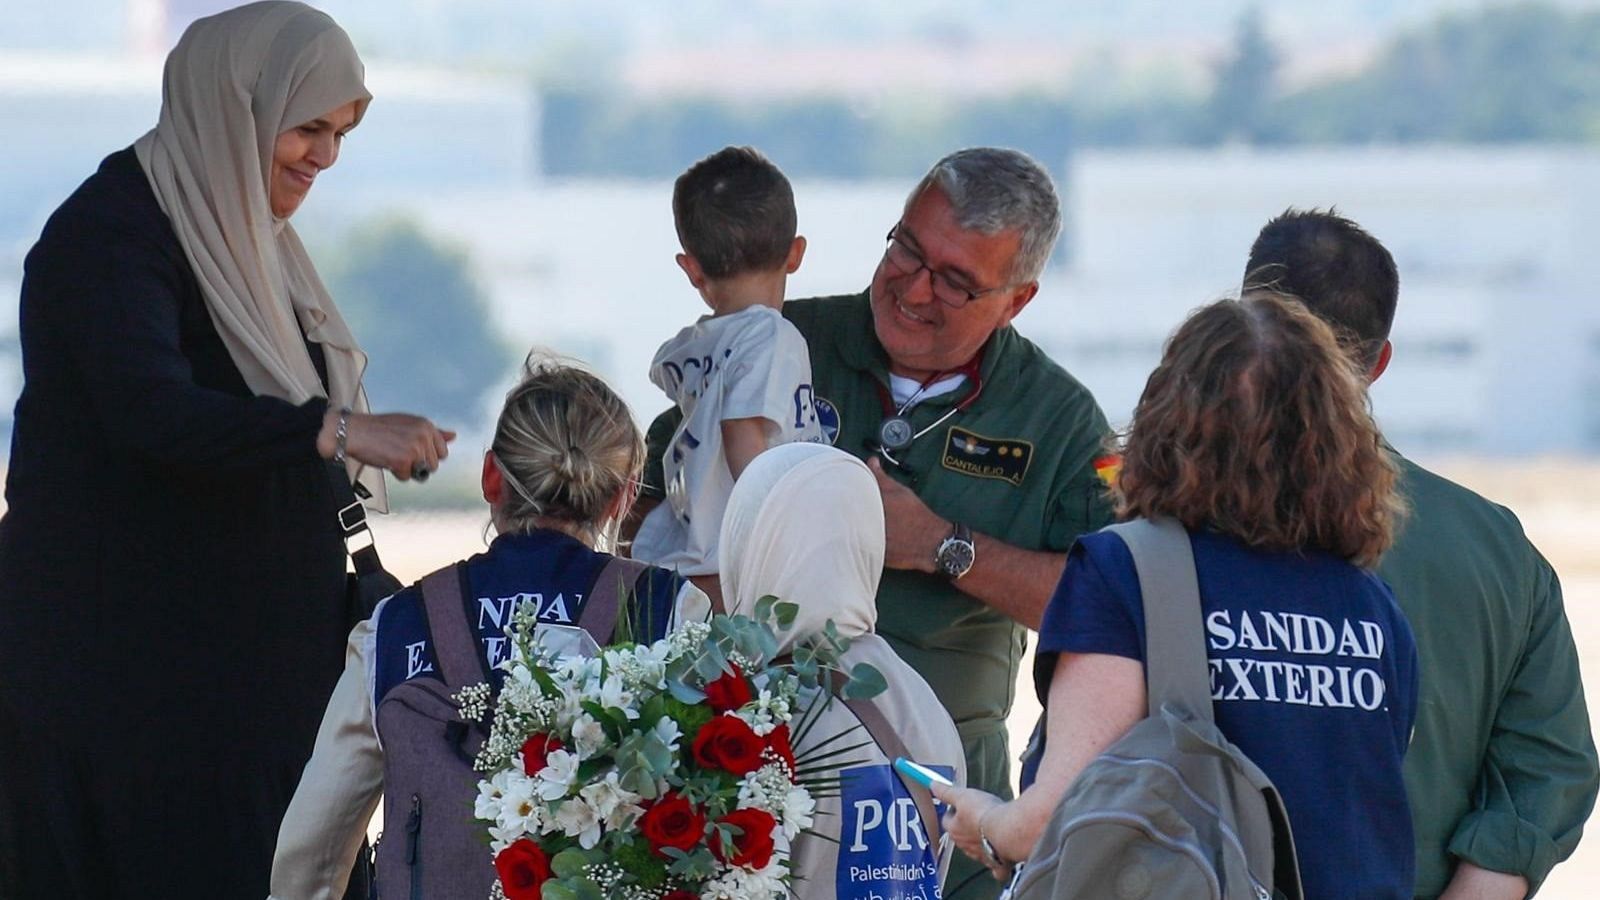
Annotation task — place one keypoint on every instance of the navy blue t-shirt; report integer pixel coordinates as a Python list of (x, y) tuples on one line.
[(1313, 676), (548, 568)]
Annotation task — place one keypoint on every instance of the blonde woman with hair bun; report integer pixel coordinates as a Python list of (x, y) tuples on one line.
[(560, 474)]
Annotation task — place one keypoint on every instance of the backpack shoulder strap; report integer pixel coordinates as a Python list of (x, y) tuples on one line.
[(455, 647), (604, 603), (1174, 642), (888, 740)]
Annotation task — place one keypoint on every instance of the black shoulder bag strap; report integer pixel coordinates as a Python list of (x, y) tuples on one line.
[(372, 581)]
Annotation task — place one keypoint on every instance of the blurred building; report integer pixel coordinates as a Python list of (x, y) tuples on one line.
[(1497, 337), (429, 130)]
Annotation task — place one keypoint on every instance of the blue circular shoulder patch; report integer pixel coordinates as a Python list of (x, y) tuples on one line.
[(827, 419)]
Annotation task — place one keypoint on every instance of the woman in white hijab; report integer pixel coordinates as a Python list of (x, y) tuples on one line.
[(805, 523), (172, 587)]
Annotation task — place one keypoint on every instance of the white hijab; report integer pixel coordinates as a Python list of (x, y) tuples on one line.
[(235, 82), (805, 523)]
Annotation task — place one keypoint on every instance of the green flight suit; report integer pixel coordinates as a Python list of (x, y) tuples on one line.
[(1017, 464), (1502, 768)]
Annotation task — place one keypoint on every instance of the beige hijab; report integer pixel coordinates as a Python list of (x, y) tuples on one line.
[(805, 523), (235, 82)]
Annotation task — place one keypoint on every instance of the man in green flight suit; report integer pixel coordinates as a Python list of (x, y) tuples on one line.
[(984, 449), (1501, 772)]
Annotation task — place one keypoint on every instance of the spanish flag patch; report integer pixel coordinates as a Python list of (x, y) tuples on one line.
[(1107, 468)]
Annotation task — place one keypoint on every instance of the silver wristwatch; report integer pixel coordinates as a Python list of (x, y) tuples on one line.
[(955, 556)]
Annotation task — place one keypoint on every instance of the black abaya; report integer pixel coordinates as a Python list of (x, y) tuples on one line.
[(171, 576)]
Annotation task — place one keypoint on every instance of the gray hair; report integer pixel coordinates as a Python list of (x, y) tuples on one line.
[(994, 189), (567, 445)]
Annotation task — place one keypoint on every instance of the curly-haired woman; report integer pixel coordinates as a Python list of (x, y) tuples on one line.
[(1254, 433)]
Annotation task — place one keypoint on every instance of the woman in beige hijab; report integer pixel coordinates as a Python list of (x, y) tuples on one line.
[(805, 523), (172, 611)]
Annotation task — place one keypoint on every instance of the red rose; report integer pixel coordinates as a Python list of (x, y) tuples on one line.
[(536, 752), (752, 847), (778, 742), (681, 895), (523, 869), (672, 821), (728, 692), (726, 742)]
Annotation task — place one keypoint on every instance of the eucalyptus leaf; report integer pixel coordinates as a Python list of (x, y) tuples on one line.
[(697, 866), (786, 613), (764, 607), (683, 692), (569, 862), (711, 663), (555, 890), (865, 681)]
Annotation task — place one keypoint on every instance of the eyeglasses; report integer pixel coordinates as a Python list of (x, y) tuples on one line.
[(907, 261)]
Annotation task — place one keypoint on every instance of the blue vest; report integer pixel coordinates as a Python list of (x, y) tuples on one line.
[(547, 568)]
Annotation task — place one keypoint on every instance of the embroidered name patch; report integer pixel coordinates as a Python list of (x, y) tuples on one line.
[(982, 457)]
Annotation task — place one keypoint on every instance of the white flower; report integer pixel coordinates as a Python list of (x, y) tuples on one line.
[(613, 695), (520, 810), (798, 809), (652, 664), (557, 777), (614, 803), (588, 735), (768, 788), (501, 838), (765, 788), (579, 820), (668, 731), (687, 637), (743, 884), (576, 670), (771, 710), (490, 792), (616, 658)]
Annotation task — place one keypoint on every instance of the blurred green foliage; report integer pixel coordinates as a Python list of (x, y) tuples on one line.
[(1508, 74), (422, 319), (1522, 73)]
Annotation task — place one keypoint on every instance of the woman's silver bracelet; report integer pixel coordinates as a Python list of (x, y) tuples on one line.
[(995, 859), (341, 435)]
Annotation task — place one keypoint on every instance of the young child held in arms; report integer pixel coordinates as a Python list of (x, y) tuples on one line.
[(741, 376)]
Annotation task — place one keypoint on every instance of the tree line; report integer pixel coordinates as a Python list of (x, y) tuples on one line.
[(1526, 73)]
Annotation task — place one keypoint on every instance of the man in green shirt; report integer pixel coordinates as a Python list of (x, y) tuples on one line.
[(984, 449), (1501, 773)]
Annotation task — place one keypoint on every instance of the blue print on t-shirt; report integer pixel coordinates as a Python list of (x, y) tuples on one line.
[(884, 854)]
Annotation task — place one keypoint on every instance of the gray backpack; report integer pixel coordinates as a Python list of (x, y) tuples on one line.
[(431, 847), (1172, 809)]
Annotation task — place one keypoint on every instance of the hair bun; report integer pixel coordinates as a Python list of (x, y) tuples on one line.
[(573, 465)]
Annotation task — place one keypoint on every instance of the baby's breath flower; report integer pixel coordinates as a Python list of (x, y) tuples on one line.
[(473, 702)]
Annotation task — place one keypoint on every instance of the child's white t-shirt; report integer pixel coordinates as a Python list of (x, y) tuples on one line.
[(748, 364)]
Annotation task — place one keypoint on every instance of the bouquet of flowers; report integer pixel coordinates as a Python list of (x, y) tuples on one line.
[(659, 772)]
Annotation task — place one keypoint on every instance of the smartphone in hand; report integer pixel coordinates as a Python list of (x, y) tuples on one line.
[(920, 774)]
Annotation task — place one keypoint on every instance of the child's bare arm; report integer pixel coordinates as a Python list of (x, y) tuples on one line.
[(744, 440)]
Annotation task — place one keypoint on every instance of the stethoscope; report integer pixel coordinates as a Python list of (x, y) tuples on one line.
[(896, 433)]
